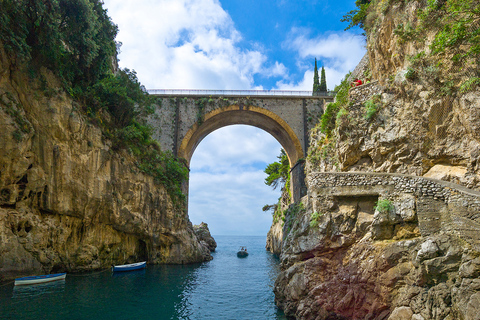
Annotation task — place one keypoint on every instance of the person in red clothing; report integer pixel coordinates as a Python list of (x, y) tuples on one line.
[(356, 83)]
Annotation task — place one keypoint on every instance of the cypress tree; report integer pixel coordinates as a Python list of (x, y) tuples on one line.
[(316, 84), (323, 82)]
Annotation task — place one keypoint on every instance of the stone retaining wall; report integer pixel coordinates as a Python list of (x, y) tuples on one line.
[(364, 92), (438, 205)]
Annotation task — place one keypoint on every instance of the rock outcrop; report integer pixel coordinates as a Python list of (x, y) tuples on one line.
[(203, 234), (421, 123), (274, 238), (68, 202)]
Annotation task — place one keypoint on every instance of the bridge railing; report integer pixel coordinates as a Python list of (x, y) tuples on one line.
[(199, 92)]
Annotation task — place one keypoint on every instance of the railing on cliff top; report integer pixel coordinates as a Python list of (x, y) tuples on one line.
[(199, 92)]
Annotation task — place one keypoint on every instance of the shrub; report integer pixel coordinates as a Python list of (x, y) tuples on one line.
[(384, 206), (327, 121), (341, 113), (470, 85), (357, 17), (315, 219), (371, 109), (410, 74)]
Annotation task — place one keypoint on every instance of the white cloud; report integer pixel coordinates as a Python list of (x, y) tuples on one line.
[(340, 53), (239, 144), (183, 44), (227, 188), (277, 70), (306, 84)]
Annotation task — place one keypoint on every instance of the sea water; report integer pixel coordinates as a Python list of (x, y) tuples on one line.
[(225, 288)]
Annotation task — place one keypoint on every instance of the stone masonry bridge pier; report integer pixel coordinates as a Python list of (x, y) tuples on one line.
[(184, 117)]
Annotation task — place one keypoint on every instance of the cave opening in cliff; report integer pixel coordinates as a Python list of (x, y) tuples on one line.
[(227, 188), (142, 250)]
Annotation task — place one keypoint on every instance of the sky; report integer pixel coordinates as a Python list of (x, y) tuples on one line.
[(234, 45)]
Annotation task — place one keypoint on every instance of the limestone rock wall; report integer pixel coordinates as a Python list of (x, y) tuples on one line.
[(420, 134), (419, 126), (418, 260), (68, 202), (343, 258), (274, 238)]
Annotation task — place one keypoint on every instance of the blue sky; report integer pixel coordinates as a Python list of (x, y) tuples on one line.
[(234, 44)]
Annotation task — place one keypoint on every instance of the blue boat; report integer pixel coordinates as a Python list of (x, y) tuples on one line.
[(40, 279), (129, 267)]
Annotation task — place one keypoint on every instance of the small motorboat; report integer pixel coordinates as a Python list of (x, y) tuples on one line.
[(40, 279), (130, 267), (242, 252)]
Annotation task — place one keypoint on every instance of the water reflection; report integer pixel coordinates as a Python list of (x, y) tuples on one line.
[(224, 288), (27, 292)]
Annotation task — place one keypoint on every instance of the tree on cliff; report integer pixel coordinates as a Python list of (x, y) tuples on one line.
[(74, 39), (323, 81), (278, 176), (357, 17), (316, 84), (278, 171)]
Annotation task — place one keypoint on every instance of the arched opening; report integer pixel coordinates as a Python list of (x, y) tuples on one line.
[(253, 116), (227, 188)]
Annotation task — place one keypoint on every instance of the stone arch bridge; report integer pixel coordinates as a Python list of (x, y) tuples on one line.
[(184, 117)]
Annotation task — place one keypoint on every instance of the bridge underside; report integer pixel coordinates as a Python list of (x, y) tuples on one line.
[(250, 115), (257, 117)]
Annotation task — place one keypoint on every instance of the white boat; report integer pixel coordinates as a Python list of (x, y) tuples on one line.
[(40, 279), (130, 267)]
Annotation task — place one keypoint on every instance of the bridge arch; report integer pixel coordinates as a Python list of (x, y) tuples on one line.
[(247, 115), (255, 116)]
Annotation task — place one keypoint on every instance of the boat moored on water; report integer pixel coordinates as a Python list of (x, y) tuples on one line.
[(129, 267), (40, 279), (242, 252)]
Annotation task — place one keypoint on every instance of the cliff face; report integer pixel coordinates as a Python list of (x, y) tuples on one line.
[(274, 238), (371, 245), (68, 202), (414, 256), (422, 123), (419, 133)]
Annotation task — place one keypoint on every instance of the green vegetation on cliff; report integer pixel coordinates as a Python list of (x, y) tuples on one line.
[(451, 60), (75, 40)]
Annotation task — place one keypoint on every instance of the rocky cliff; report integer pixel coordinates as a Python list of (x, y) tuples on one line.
[(398, 246), (68, 202)]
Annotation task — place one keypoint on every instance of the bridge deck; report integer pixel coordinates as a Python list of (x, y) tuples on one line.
[(241, 93)]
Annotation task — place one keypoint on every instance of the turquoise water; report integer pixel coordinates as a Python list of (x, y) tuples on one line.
[(225, 288)]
